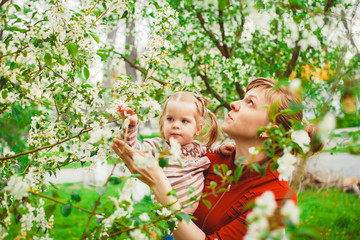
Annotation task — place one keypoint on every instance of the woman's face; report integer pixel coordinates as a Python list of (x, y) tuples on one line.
[(247, 115)]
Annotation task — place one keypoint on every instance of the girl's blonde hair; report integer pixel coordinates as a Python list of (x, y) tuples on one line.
[(200, 104), (284, 96)]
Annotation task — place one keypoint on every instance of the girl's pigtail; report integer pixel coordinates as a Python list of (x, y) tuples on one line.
[(213, 132)]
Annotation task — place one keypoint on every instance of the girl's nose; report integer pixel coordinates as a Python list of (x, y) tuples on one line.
[(235, 105), (175, 124)]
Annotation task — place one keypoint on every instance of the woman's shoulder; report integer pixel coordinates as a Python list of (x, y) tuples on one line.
[(217, 158)]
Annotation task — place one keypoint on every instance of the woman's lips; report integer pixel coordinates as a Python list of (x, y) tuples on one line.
[(229, 117)]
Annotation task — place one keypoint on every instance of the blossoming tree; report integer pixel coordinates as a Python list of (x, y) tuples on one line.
[(49, 48)]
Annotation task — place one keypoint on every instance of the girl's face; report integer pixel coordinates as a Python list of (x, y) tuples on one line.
[(180, 122), (247, 115)]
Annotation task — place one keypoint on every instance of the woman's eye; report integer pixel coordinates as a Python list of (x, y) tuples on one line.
[(185, 121)]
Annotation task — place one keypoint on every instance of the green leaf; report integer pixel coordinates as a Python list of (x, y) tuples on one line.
[(49, 210), (256, 167), (4, 94), (72, 49), (223, 4), (66, 209), (163, 162), (55, 194), (287, 112), (86, 73), (212, 184), (102, 55), (48, 59), (75, 196), (183, 216), (93, 153), (237, 173), (115, 180), (224, 168), (17, 7), (16, 29), (95, 37), (263, 169), (124, 15), (207, 203), (217, 170), (273, 110)]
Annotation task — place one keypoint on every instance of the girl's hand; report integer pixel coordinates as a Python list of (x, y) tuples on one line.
[(227, 148), (125, 111)]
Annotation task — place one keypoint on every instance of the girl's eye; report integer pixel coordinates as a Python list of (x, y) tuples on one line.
[(185, 121), (170, 119), (251, 102)]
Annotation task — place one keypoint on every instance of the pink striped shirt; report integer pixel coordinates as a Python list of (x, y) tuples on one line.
[(181, 178)]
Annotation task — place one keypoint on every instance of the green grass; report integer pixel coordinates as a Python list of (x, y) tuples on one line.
[(331, 213)]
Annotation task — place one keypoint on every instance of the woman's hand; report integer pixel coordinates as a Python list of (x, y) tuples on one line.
[(154, 177)]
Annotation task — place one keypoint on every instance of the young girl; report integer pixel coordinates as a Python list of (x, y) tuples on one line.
[(182, 118)]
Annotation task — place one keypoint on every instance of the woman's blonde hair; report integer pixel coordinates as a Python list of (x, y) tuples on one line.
[(284, 96), (200, 104)]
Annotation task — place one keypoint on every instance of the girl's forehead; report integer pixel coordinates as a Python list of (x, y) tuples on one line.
[(180, 107)]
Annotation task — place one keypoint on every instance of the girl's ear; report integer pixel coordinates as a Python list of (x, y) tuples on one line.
[(199, 129)]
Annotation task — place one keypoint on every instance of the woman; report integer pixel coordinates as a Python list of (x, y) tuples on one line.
[(226, 219)]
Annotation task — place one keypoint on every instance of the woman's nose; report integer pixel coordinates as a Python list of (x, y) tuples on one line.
[(235, 105)]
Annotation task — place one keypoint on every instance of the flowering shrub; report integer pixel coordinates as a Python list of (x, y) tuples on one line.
[(54, 112)]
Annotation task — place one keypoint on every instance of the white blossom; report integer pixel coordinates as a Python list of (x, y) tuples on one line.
[(327, 124), (291, 211), (144, 217), (286, 165), (253, 151), (137, 234), (17, 187), (302, 138), (175, 150), (258, 219)]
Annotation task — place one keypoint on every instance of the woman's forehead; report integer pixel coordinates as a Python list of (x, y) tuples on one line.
[(257, 93)]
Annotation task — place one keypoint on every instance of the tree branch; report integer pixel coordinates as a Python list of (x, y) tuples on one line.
[(239, 31), (239, 90), (97, 203), (222, 30), (132, 64), (292, 63), (211, 35), (57, 201), (349, 33), (3, 2), (49, 146), (329, 3), (210, 90)]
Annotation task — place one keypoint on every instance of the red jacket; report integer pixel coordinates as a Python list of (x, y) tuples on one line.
[(226, 219)]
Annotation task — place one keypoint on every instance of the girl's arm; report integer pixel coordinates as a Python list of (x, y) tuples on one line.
[(225, 149), (155, 178)]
